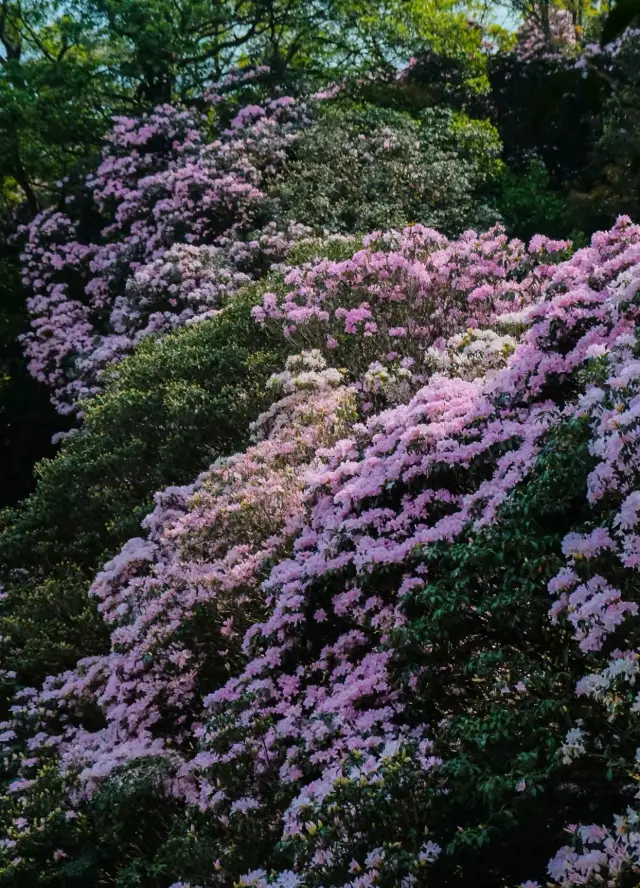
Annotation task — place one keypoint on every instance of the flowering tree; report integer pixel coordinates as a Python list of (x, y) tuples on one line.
[(179, 211)]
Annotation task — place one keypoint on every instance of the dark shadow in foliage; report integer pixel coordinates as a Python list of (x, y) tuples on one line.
[(531, 202), (623, 15), (546, 107), (27, 419)]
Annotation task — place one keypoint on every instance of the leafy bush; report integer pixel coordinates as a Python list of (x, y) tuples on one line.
[(613, 186), (544, 107), (362, 168), (575, 112), (529, 201)]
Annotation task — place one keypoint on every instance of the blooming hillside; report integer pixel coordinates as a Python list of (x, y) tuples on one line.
[(182, 213), (397, 633), (332, 580)]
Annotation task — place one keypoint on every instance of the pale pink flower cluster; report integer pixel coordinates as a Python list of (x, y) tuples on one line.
[(601, 855), (562, 36), (395, 304)]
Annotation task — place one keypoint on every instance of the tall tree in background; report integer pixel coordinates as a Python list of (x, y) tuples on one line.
[(54, 101), (169, 48), (67, 67)]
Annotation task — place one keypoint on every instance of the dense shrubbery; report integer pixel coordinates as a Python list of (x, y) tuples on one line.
[(314, 677), (615, 162), (66, 69), (362, 167), (175, 221), (169, 409), (530, 202), (27, 419), (333, 584), (182, 398), (90, 498)]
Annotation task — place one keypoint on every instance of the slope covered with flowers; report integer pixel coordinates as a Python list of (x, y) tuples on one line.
[(185, 209), (394, 641)]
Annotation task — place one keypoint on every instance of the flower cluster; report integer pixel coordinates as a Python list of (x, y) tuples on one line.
[(556, 36), (595, 592), (209, 545), (407, 292), (170, 225)]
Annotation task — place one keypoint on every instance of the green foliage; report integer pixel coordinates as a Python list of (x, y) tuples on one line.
[(363, 167), (53, 98), (547, 109), (483, 618), (134, 834), (167, 413), (530, 202), (169, 48), (614, 184), (580, 123), (66, 68)]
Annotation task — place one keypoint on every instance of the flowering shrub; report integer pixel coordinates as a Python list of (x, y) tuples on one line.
[(177, 217), (233, 521), (393, 306), (202, 388), (176, 212), (170, 408), (395, 704)]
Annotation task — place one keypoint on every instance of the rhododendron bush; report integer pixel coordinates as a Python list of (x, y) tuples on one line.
[(401, 301), (362, 167), (393, 642), (178, 211), (184, 211)]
